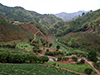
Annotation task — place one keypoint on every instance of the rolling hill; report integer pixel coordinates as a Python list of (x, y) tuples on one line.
[(22, 15)]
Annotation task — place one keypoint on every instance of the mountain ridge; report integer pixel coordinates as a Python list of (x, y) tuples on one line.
[(69, 16)]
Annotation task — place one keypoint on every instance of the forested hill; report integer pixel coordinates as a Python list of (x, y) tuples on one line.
[(22, 15), (90, 20)]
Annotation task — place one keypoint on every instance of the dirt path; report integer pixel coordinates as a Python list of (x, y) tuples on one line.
[(67, 69), (91, 64)]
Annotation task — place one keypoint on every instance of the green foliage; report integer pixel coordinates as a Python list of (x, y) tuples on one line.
[(59, 58), (97, 65), (47, 50), (50, 44), (43, 59), (88, 71), (54, 64), (32, 69), (53, 53), (82, 61), (7, 57), (44, 43), (58, 47), (65, 58), (74, 58), (92, 55), (37, 50)]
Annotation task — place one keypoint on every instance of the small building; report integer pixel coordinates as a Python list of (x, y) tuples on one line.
[(16, 22)]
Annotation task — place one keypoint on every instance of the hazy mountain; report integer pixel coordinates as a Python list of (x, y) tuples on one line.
[(69, 16)]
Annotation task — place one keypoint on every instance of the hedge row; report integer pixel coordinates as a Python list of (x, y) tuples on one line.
[(53, 53), (7, 57)]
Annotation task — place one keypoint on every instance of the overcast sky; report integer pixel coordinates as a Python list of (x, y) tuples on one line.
[(54, 6)]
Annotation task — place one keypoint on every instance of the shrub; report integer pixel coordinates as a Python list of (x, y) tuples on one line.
[(47, 50), (65, 58), (82, 61), (88, 70), (92, 55), (43, 59), (44, 43), (3, 57), (78, 62), (74, 58), (50, 44), (54, 64), (30, 39), (69, 54), (37, 50), (59, 58), (97, 65), (58, 47), (78, 55)]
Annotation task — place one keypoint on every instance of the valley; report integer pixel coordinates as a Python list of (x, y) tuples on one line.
[(47, 45)]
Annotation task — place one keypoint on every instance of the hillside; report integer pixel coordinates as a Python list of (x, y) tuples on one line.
[(82, 32), (11, 32), (69, 16), (22, 15)]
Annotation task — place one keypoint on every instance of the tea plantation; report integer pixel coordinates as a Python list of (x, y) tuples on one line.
[(31, 69)]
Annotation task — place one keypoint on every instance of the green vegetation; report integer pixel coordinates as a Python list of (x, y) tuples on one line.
[(8, 57), (88, 71), (53, 53), (82, 61), (32, 69), (13, 14), (24, 46), (97, 65), (92, 56), (74, 58), (74, 67)]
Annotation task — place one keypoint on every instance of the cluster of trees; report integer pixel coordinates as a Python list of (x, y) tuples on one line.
[(53, 53), (92, 55), (7, 57), (62, 58), (8, 45)]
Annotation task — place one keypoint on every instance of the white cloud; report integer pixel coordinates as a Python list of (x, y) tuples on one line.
[(54, 6)]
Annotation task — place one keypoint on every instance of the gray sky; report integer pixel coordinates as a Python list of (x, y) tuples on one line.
[(54, 6)]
